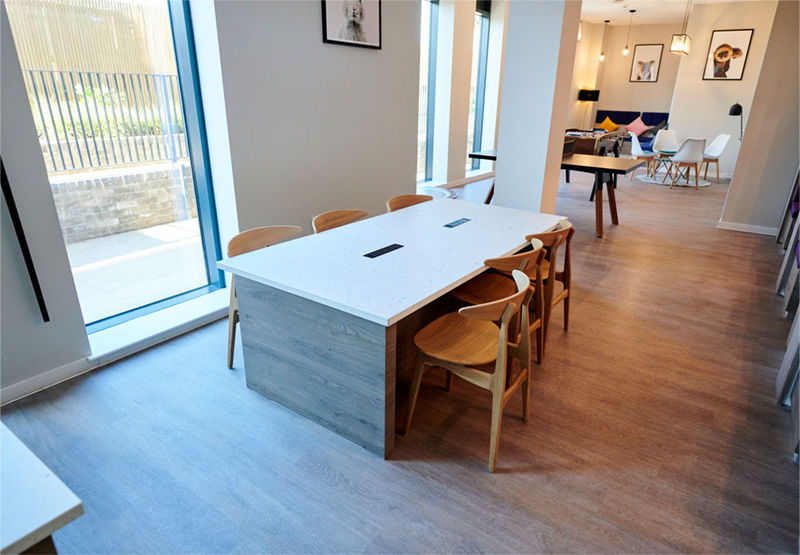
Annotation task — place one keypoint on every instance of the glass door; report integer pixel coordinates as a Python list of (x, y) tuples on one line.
[(112, 87)]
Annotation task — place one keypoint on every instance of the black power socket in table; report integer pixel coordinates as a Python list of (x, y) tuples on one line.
[(384, 250)]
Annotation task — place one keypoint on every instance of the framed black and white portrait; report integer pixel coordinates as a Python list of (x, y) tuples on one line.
[(352, 22), (646, 63), (727, 54)]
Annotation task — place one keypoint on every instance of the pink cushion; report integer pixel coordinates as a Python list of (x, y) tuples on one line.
[(637, 126)]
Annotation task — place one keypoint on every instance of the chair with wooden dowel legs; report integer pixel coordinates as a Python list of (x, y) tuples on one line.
[(689, 155), (248, 241), (470, 344), (404, 201), (552, 277), (497, 282)]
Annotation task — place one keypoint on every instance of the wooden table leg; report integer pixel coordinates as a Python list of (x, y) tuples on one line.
[(598, 203), (612, 203)]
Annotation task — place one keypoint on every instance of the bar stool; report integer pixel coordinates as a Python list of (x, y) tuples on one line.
[(335, 218), (248, 241), (404, 201), (469, 344), (497, 283)]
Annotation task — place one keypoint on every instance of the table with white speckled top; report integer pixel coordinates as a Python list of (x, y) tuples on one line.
[(325, 329)]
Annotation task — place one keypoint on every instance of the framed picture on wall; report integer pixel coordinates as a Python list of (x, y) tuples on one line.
[(727, 54), (352, 22), (646, 63)]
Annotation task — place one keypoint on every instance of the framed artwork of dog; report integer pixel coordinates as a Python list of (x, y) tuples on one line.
[(727, 54), (352, 22), (646, 63)]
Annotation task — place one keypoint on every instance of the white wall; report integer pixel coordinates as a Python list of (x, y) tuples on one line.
[(315, 126), (30, 347), (770, 150), (585, 75), (204, 26), (616, 90), (700, 108), (537, 72)]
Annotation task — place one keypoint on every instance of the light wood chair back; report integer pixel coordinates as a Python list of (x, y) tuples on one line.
[(440, 338), (336, 218), (244, 242), (501, 310), (260, 237), (553, 240), (527, 261), (404, 201)]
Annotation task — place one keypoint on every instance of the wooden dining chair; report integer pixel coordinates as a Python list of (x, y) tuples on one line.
[(552, 277), (470, 344), (335, 218), (247, 241), (497, 283), (404, 201)]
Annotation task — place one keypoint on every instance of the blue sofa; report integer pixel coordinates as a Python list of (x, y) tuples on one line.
[(621, 117)]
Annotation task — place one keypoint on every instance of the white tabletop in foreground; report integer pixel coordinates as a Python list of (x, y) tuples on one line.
[(330, 267), (34, 502)]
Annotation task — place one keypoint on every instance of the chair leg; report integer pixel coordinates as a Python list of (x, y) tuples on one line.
[(717, 164), (526, 394), (666, 175), (696, 177), (419, 369), (566, 313), (448, 380), (674, 177), (705, 174), (539, 344), (233, 319), (497, 418)]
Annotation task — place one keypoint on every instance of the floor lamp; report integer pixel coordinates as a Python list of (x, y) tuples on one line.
[(736, 110), (588, 96)]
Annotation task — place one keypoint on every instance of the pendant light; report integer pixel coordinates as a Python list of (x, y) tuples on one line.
[(605, 34), (625, 50), (682, 42)]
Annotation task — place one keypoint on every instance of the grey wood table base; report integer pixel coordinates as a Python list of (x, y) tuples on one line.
[(329, 366)]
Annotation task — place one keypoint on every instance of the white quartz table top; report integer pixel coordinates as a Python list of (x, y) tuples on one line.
[(34, 502), (330, 267)]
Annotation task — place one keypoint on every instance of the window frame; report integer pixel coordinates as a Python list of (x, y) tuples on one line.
[(197, 142), (480, 85), (431, 99)]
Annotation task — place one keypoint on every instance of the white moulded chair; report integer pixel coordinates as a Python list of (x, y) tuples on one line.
[(689, 155), (714, 151), (637, 152), (664, 146)]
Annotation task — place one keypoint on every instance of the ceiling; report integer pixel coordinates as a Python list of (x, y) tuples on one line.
[(647, 11)]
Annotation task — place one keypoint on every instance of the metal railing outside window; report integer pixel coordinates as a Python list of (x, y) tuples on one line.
[(89, 120)]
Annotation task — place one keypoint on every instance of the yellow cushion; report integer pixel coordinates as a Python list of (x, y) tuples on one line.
[(608, 125)]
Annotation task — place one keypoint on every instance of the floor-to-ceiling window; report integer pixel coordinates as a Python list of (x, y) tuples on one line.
[(427, 88), (113, 90), (477, 87)]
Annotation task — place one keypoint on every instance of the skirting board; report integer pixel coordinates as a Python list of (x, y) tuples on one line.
[(44, 380), (747, 228), (71, 370)]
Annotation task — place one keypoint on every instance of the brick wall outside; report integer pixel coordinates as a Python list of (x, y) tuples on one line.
[(96, 204)]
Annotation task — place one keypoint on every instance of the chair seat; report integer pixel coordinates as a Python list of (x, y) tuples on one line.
[(455, 338), (489, 286)]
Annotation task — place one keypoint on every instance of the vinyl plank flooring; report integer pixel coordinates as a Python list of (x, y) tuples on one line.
[(653, 426)]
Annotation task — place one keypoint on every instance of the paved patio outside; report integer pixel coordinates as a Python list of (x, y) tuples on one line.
[(127, 270)]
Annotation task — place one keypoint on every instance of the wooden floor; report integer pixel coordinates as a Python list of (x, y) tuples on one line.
[(653, 425)]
